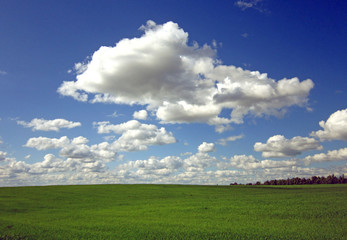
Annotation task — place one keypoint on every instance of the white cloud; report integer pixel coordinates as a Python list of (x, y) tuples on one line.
[(80, 140), (199, 162), (107, 127), (151, 170), (334, 155), (279, 146), (252, 92), (183, 112), (75, 148), (97, 152), (200, 168), (224, 141), (136, 136), (69, 88), (51, 164), (3, 156), (3, 72), (335, 128), (206, 147), (223, 128), (44, 143), (251, 163), (142, 70), (52, 170), (171, 169), (180, 83), (169, 162), (142, 115), (27, 156), (49, 125)]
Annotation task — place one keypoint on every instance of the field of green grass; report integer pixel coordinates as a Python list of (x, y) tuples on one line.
[(174, 212)]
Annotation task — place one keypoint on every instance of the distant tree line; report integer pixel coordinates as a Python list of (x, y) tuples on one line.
[(331, 179)]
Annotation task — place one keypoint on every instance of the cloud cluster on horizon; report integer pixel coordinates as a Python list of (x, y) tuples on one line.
[(180, 83), (79, 162)]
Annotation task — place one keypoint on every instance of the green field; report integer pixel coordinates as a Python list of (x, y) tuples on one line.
[(174, 212)]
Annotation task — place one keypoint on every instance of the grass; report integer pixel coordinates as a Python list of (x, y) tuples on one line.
[(174, 212)]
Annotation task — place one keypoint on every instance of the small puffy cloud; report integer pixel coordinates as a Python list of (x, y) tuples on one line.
[(2, 156), (180, 83), (254, 4), (335, 128), (278, 146), (49, 125), (27, 156), (334, 155), (224, 141), (142, 115), (244, 4), (107, 127), (245, 35), (79, 140), (223, 128), (207, 147), (136, 136)]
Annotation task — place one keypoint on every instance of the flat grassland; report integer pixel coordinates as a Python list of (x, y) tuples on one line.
[(174, 212)]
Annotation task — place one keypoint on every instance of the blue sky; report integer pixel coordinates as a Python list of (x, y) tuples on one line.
[(195, 92)]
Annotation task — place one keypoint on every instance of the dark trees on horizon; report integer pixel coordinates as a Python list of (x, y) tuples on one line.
[(331, 179)]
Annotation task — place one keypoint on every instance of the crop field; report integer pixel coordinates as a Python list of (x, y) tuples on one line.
[(174, 212)]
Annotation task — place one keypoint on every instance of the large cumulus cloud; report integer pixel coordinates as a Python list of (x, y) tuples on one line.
[(180, 82), (335, 128)]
